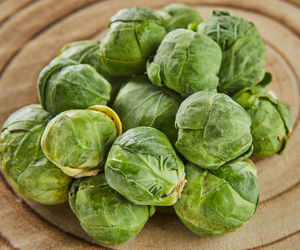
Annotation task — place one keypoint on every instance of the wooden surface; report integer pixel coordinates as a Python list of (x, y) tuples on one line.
[(31, 33)]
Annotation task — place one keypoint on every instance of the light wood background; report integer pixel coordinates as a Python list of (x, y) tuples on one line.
[(31, 33)]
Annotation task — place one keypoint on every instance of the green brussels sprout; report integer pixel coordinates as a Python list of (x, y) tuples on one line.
[(64, 84), (77, 141), (186, 62), (178, 15), (133, 36), (139, 103), (271, 120), (105, 215), (88, 51), (143, 167), (244, 53), (84, 52), (219, 201), (22, 161), (213, 130)]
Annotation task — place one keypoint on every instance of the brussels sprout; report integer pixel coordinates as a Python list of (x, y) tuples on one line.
[(213, 130), (186, 62), (139, 103), (104, 214), (143, 167), (217, 202), (244, 53), (134, 34), (64, 84), (178, 15), (88, 51), (77, 141), (22, 160), (271, 120)]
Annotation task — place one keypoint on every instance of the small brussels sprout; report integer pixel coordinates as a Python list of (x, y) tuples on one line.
[(178, 15), (219, 201), (271, 120), (134, 34), (22, 161), (244, 53), (105, 215), (139, 103), (77, 141), (213, 130), (88, 51), (143, 167), (64, 84), (186, 62)]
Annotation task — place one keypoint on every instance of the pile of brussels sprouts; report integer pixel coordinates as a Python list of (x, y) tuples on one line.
[(189, 94)]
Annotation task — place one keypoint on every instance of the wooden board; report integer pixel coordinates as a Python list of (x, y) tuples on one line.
[(31, 33)]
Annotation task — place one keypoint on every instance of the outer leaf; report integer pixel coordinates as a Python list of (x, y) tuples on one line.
[(88, 52), (218, 202), (45, 74), (179, 16), (134, 34), (143, 166), (271, 120), (137, 14), (242, 176), (77, 141), (225, 29), (22, 161), (105, 215), (213, 130), (244, 53), (64, 85), (186, 62), (139, 103)]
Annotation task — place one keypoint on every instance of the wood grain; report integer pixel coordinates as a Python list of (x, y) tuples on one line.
[(31, 33), (8, 8)]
